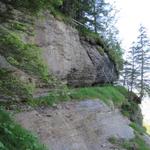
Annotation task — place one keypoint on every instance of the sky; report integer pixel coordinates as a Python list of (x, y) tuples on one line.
[(132, 14)]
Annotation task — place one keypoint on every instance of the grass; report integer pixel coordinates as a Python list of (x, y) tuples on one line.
[(90, 36), (137, 143), (108, 94), (23, 55), (13, 87), (141, 130), (14, 137), (104, 93)]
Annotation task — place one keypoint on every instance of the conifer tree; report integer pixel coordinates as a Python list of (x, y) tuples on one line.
[(142, 56), (139, 63)]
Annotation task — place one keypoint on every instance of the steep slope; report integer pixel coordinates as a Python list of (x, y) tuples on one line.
[(71, 59), (85, 125), (39, 56), (34, 49)]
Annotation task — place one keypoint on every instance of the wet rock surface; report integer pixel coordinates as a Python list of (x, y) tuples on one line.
[(85, 125)]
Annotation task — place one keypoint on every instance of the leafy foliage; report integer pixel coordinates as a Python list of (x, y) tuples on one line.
[(22, 55), (34, 5), (141, 130), (14, 137), (137, 143), (11, 86), (115, 54), (96, 19)]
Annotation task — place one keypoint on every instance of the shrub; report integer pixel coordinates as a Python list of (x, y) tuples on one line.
[(11, 86), (34, 5), (22, 55), (14, 137), (141, 130)]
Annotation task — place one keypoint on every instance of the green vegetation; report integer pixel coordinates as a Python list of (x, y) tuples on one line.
[(27, 57), (141, 130), (14, 137), (92, 36), (129, 108), (22, 55), (34, 6), (78, 11), (101, 51), (108, 94), (104, 93), (132, 110), (114, 54), (116, 57), (11, 86), (137, 143)]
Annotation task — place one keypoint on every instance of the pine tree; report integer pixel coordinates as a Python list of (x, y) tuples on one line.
[(142, 57)]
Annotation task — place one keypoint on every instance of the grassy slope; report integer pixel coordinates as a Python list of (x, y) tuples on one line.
[(108, 94), (14, 137), (12, 134), (137, 143)]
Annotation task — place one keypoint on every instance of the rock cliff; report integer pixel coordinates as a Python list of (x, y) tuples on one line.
[(29, 44), (71, 59)]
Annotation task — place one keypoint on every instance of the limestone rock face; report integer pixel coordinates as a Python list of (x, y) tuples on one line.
[(70, 59), (85, 125)]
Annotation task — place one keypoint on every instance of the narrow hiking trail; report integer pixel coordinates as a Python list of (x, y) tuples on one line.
[(84, 125)]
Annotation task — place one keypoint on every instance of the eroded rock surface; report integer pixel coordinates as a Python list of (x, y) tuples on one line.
[(85, 125), (70, 59)]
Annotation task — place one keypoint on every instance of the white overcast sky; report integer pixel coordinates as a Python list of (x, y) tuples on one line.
[(132, 14)]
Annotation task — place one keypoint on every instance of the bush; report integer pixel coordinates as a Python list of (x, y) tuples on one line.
[(135, 144), (10, 86), (34, 5), (22, 55), (141, 130), (14, 137), (116, 57)]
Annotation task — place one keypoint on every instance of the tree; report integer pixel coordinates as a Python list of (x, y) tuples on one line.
[(133, 72), (33, 6), (140, 62), (99, 12), (76, 9), (130, 71)]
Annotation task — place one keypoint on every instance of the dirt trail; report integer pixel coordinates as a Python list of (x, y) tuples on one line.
[(84, 125)]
